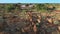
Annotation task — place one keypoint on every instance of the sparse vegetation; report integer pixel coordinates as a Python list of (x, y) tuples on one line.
[(29, 18)]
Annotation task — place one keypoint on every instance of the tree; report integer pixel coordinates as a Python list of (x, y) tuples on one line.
[(41, 7)]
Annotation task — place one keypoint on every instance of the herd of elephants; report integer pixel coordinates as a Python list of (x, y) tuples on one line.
[(30, 23)]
